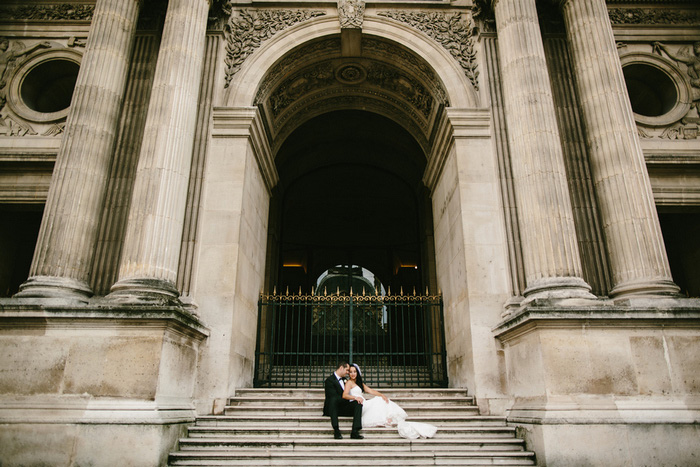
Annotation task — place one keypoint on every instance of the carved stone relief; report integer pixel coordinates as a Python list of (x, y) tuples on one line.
[(652, 16), (454, 31), (247, 29), (351, 13), (16, 60), (679, 70), (63, 11)]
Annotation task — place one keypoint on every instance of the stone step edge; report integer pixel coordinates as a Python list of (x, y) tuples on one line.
[(317, 441), (363, 454)]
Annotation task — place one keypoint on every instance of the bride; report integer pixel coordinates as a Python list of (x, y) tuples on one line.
[(380, 411)]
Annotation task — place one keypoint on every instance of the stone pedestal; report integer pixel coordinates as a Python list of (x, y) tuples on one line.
[(94, 384), (151, 251), (551, 258), (67, 239), (606, 384), (635, 246)]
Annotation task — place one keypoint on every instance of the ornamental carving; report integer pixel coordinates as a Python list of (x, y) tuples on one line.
[(652, 16), (314, 79), (351, 13), (249, 28), (451, 30), (63, 11), (409, 89)]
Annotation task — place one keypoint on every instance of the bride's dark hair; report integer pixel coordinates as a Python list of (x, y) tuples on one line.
[(358, 380)]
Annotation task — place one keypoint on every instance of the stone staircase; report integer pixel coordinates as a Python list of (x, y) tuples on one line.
[(262, 427)]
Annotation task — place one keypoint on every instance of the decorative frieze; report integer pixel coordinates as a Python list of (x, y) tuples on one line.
[(63, 11), (247, 29), (648, 16), (453, 31)]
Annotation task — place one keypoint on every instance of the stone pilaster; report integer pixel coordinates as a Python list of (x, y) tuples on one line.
[(151, 250), (637, 255), (69, 229), (550, 251)]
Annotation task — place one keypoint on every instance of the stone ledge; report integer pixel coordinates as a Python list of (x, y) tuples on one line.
[(571, 313), (58, 312)]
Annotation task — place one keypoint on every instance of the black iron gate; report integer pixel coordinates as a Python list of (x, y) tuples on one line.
[(397, 340)]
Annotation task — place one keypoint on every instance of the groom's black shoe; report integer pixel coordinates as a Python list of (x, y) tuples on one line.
[(356, 435), (337, 435)]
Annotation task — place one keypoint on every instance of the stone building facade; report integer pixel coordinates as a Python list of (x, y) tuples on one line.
[(161, 161)]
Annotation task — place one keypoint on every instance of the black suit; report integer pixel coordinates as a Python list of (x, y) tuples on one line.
[(335, 405)]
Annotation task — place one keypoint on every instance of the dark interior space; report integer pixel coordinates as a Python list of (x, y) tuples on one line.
[(681, 231), (19, 229), (350, 193)]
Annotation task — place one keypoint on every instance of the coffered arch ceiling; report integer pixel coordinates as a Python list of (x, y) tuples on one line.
[(385, 78)]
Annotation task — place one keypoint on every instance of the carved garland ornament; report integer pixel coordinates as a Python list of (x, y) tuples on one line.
[(249, 28), (63, 11), (652, 16), (451, 30)]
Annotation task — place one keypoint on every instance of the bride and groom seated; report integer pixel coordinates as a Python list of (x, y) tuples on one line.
[(345, 397)]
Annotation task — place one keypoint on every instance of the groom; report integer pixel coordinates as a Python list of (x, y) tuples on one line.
[(335, 405)]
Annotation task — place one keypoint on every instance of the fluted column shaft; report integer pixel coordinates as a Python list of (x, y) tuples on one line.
[(551, 258), (66, 243), (152, 244), (638, 260)]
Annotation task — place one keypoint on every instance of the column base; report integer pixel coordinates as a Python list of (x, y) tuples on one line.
[(650, 288), (558, 287), (55, 287), (145, 291)]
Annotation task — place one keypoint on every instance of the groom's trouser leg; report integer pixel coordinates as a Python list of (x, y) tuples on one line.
[(333, 413), (356, 417)]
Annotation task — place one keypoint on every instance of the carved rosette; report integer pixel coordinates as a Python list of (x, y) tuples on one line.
[(247, 29), (454, 31)]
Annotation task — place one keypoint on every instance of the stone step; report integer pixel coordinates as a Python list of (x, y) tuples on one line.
[(324, 445), (346, 453), (317, 401), (317, 393), (294, 411), (325, 432), (319, 420)]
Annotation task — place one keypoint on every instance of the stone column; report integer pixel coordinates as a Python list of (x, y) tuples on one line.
[(69, 228), (551, 257), (151, 250), (637, 255)]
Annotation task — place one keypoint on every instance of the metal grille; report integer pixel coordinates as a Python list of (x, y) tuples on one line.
[(398, 341)]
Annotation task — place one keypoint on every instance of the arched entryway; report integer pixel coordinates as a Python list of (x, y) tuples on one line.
[(351, 216), (402, 87)]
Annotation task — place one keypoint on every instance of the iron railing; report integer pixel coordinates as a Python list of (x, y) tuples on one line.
[(397, 340)]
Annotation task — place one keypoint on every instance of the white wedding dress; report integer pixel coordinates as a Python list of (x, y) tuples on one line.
[(376, 412)]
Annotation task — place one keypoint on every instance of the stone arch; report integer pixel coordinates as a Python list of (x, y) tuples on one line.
[(244, 84)]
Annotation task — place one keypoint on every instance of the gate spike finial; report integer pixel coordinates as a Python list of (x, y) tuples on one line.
[(414, 290), (300, 291), (363, 290), (274, 290), (287, 292), (312, 290), (426, 290), (351, 291), (389, 293), (337, 290), (325, 291), (401, 290)]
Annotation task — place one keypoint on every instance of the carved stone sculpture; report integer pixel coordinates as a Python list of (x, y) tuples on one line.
[(351, 13)]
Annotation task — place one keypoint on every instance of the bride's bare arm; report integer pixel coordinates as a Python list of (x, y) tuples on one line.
[(374, 392), (346, 392)]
